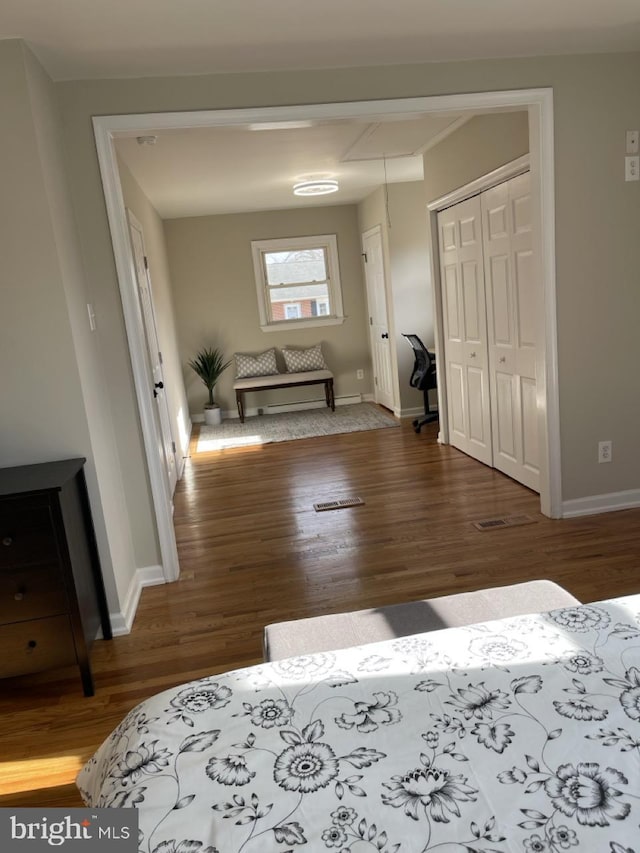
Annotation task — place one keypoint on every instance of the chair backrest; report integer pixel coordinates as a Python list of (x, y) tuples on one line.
[(424, 368)]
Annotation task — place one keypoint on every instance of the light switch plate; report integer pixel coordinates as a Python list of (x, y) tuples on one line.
[(633, 142)]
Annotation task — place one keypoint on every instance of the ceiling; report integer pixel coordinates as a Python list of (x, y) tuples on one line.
[(76, 39), (205, 171), (225, 170)]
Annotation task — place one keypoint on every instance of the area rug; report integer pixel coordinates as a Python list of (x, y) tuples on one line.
[(286, 426)]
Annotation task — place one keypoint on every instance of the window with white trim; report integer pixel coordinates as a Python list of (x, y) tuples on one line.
[(297, 281), (292, 310)]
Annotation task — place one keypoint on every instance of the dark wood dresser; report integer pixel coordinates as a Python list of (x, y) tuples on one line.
[(52, 598)]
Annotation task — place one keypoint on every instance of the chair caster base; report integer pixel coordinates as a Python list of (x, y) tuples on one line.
[(418, 423)]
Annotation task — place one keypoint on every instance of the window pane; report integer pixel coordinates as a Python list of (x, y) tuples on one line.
[(288, 303), (295, 267)]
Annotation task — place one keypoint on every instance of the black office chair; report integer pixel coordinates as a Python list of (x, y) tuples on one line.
[(423, 378)]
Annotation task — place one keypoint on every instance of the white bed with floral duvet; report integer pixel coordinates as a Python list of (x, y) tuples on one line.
[(516, 735)]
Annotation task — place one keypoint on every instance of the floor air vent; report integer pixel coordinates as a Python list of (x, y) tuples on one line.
[(342, 504), (505, 521)]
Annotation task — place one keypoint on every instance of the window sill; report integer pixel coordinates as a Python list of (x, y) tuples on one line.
[(302, 324)]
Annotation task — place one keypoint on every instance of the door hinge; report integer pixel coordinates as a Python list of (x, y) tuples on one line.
[(146, 263), (160, 357), (375, 381), (173, 446), (371, 321)]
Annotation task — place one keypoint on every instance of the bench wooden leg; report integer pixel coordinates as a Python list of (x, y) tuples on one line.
[(240, 404), (328, 393)]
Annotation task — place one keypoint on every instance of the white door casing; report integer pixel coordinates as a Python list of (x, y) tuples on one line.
[(378, 319), (538, 102), (512, 310), (166, 448), (465, 329)]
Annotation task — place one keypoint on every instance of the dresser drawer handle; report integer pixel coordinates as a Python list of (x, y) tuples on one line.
[(7, 540), (18, 596), (31, 645)]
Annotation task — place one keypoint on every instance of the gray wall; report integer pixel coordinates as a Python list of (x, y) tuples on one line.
[(597, 242), (163, 302), (51, 382), (402, 217), (216, 302), (475, 149)]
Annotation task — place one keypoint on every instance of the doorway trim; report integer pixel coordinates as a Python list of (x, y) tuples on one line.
[(538, 102), (393, 362)]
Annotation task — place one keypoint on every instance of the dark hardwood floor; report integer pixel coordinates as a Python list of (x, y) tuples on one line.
[(253, 551)]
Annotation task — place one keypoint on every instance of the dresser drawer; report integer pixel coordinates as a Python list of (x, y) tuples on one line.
[(31, 594), (37, 645), (26, 534)]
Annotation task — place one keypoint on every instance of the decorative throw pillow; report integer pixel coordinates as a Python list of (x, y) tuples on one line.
[(262, 364), (301, 360)]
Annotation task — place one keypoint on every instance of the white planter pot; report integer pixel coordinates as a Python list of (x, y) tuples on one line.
[(213, 415)]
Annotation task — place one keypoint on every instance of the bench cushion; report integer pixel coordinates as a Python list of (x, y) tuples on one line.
[(254, 383), (342, 630)]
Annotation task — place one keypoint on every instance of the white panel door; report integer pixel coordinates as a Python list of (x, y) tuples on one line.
[(465, 329), (378, 323), (512, 308), (166, 448)]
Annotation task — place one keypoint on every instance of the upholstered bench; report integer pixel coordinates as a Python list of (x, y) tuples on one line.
[(284, 380), (341, 630)]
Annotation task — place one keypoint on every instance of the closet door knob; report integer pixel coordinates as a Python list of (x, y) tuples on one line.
[(6, 541)]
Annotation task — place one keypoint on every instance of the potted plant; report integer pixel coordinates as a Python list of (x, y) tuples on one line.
[(209, 364)]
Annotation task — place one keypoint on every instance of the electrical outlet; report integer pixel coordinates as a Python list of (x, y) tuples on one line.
[(359, 374), (632, 168), (605, 451)]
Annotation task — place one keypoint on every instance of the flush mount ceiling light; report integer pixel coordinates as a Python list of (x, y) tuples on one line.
[(318, 186)]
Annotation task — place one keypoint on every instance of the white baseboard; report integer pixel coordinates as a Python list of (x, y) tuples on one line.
[(292, 406), (595, 504), (180, 461), (344, 400), (415, 412), (122, 621)]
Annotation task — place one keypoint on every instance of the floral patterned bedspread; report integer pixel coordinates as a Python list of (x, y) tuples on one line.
[(516, 735)]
